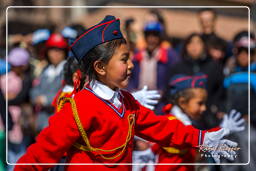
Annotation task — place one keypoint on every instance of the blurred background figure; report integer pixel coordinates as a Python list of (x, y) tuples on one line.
[(153, 60), (3, 124), (50, 81), (73, 31), (39, 61), (217, 49), (236, 71), (207, 20), (19, 84), (236, 85), (130, 32)]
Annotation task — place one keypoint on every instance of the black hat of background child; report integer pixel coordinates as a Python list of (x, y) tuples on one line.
[(107, 30), (181, 82)]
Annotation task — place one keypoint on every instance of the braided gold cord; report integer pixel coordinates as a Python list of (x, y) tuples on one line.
[(88, 147)]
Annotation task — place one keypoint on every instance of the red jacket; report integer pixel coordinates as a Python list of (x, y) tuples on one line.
[(176, 154), (105, 129)]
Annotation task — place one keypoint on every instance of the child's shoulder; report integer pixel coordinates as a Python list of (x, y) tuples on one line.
[(127, 95), (129, 99), (83, 94)]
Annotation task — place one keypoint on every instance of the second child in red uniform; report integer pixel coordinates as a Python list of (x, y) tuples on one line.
[(188, 96), (98, 124)]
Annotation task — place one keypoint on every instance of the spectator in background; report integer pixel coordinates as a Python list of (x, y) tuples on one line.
[(17, 85), (153, 61), (72, 31), (195, 59), (3, 125), (207, 19), (236, 81), (39, 61), (217, 49), (131, 36), (155, 15), (236, 84), (49, 82)]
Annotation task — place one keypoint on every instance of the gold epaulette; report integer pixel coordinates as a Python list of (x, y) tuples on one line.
[(171, 117), (61, 100), (88, 147), (174, 150)]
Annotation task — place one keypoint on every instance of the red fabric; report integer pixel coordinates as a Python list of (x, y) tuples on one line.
[(55, 100), (161, 57), (167, 108), (105, 130), (165, 157)]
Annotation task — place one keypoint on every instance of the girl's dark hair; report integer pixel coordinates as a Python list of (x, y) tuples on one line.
[(70, 67), (184, 52), (102, 52), (187, 94)]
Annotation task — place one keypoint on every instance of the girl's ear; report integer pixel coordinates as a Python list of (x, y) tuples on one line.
[(182, 102), (99, 67)]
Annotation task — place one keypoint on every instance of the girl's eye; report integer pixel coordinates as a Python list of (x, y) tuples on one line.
[(125, 59), (200, 103)]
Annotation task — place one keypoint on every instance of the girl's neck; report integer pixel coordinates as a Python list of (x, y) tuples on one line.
[(105, 82), (102, 81)]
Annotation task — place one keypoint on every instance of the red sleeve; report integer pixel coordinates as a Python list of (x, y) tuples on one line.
[(166, 132), (52, 142), (155, 148), (214, 129)]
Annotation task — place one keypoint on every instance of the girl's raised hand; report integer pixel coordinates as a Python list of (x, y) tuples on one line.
[(233, 122), (147, 98)]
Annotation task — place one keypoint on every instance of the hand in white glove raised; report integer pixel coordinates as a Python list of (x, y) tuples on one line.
[(147, 98), (233, 122), (219, 147)]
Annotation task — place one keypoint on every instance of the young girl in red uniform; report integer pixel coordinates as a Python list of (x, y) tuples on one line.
[(188, 97), (98, 124)]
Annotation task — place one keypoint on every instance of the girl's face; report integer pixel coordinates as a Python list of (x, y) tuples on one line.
[(195, 106), (195, 47), (119, 68)]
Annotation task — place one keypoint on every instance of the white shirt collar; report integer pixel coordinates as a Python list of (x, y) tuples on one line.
[(102, 90), (176, 111), (67, 89)]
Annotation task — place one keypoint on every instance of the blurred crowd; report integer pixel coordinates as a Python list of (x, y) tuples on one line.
[(36, 63)]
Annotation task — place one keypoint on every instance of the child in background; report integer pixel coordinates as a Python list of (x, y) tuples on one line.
[(188, 97), (99, 123), (49, 82)]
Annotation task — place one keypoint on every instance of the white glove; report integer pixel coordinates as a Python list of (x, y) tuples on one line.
[(219, 147), (232, 122), (147, 98), (144, 156)]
